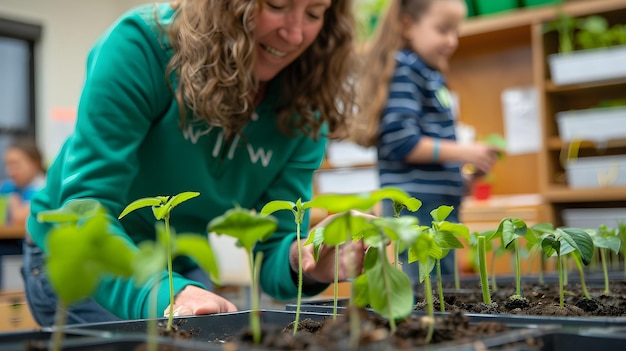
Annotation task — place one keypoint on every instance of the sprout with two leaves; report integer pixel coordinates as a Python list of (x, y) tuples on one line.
[(605, 239), (153, 256), (563, 241), (445, 235), (509, 231), (248, 228)]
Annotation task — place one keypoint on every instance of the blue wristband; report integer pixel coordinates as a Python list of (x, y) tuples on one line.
[(435, 150)]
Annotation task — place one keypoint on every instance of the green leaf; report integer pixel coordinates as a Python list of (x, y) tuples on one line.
[(550, 245), (583, 243), (402, 228), (116, 255), (511, 229), (371, 258), (140, 203), (72, 211), (341, 203), (457, 229), (199, 249), (421, 248), (342, 227), (360, 287), (149, 262), (277, 205), (180, 198), (399, 196), (612, 243), (441, 213), (243, 225), (426, 267), (447, 240), (316, 237), (394, 299)]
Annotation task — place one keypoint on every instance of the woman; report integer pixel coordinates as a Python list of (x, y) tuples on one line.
[(230, 98)]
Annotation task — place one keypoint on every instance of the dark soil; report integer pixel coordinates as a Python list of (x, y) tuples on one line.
[(542, 300), (333, 335)]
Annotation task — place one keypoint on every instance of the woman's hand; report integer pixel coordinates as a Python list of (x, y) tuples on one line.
[(351, 256), (193, 300)]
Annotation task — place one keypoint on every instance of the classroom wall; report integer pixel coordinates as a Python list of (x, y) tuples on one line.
[(70, 27)]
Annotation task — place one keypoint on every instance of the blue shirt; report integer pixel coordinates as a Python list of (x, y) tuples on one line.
[(418, 105)]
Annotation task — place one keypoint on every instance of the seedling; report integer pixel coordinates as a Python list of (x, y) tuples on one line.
[(509, 230), (81, 251), (191, 245), (345, 227), (482, 244), (383, 287), (248, 228), (605, 239), (298, 209), (563, 241), (445, 235)]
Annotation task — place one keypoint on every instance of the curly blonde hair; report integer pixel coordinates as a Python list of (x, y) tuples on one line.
[(214, 54)]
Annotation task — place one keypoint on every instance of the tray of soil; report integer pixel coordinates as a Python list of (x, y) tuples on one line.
[(318, 331), (120, 343), (540, 307)]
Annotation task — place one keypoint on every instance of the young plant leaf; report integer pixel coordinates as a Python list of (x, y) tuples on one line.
[(383, 280), (243, 225), (140, 203), (72, 211), (277, 205), (335, 232), (199, 249)]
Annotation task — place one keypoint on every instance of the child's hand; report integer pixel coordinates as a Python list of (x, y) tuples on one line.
[(482, 157)]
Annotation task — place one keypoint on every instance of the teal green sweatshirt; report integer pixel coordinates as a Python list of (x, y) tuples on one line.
[(128, 144)]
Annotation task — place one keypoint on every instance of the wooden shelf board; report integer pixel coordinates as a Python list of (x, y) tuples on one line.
[(556, 144), (528, 16), (586, 87), (562, 193)]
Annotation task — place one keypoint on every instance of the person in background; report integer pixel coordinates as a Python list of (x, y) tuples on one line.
[(233, 99), (406, 110), (26, 175)]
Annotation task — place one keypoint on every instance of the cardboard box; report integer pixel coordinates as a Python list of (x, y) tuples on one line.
[(14, 313)]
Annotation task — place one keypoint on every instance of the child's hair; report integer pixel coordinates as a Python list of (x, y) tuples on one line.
[(213, 58), (378, 66)]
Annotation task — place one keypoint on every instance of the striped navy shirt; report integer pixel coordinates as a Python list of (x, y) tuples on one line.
[(418, 104)]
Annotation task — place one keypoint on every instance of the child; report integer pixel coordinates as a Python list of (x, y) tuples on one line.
[(408, 115)]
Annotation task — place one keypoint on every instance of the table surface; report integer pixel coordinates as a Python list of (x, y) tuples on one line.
[(12, 232)]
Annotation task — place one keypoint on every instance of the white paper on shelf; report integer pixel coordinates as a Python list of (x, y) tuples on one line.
[(520, 107)]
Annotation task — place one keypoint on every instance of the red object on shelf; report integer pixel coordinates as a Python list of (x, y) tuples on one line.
[(482, 191)]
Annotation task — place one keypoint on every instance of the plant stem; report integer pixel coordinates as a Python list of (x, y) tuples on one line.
[(336, 283), (442, 305), (396, 255), (605, 271), (457, 281), (565, 270), (494, 286), (153, 331), (583, 285), (170, 276), (518, 269), (482, 268), (542, 262), (560, 271), (255, 322), (430, 309), (60, 319), (300, 278), (383, 256)]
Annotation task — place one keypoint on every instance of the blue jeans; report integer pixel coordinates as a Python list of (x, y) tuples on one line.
[(42, 300)]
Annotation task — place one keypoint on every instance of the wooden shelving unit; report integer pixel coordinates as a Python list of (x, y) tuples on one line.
[(510, 50)]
